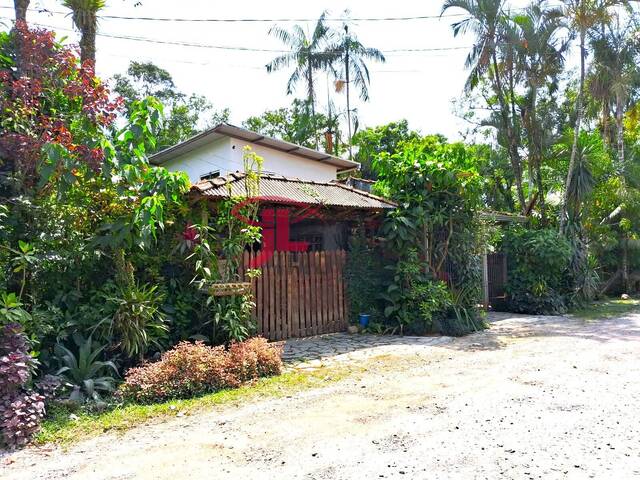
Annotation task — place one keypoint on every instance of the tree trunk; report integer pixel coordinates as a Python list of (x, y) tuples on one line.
[(312, 101), (88, 42), (620, 134), (21, 7), (576, 133), (624, 263), (536, 134), (511, 139), (347, 79), (606, 134)]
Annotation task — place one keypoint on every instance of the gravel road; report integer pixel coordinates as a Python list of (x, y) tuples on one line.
[(533, 397)]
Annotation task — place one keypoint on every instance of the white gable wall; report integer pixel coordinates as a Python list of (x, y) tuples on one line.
[(226, 155), (202, 160), (284, 163)]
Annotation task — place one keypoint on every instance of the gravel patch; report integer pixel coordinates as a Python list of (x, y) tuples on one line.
[(532, 397)]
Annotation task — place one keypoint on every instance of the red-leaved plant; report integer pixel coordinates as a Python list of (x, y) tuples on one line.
[(21, 409), (47, 96), (191, 369)]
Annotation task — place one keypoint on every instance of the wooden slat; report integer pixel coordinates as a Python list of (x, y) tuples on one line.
[(331, 319), (272, 299), (340, 289), (299, 294), (293, 295), (334, 293), (307, 295), (278, 296)]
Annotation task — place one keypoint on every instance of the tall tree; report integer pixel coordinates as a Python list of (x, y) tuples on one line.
[(307, 53), (615, 76), (582, 17), (85, 19), (353, 55), (615, 68), (486, 19), (540, 51)]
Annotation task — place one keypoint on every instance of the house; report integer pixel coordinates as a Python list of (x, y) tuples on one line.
[(306, 217), (219, 151)]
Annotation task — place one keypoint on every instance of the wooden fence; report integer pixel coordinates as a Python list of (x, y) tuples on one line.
[(299, 294)]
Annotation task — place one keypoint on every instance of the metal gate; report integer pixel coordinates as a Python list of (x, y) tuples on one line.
[(496, 280)]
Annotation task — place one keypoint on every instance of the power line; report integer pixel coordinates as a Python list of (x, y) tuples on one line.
[(252, 20), (236, 48)]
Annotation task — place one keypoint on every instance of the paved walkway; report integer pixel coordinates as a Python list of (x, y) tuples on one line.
[(313, 352)]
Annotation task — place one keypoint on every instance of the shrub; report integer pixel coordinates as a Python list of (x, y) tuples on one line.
[(192, 369), (254, 358), (538, 263), (21, 409)]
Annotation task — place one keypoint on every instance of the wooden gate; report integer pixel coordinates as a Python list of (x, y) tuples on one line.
[(299, 294), (497, 280)]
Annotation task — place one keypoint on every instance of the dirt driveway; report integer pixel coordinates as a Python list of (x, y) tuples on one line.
[(534, 397)]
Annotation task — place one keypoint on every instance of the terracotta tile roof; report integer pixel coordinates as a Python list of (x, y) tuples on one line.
[(283, 189)]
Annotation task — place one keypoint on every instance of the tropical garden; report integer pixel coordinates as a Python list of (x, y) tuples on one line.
[(105, 265)]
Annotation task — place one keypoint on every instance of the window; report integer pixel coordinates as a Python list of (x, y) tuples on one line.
[(210, 175), (313, 239)]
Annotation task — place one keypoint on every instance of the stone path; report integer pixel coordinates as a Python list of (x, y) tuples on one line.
[(314, 352)]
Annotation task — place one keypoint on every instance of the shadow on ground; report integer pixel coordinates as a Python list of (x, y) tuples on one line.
[(505, 328)]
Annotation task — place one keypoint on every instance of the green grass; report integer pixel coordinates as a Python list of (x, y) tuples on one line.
[(59, 428), (607, 309)]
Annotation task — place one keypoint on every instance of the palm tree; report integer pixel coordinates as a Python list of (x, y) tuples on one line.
[(307, 54), (21, 7), (353, 55), (85, 19), (487, 20), (582, 16), (616, 74), (540, 52)]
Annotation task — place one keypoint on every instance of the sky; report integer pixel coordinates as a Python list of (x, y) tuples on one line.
[(419, 86)]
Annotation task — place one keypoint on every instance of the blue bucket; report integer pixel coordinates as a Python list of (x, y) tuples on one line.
[(364, 320)]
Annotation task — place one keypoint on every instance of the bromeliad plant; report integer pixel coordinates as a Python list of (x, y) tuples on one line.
[(86, 375)]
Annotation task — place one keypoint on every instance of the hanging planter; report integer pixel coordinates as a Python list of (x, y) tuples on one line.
[(229, 289)]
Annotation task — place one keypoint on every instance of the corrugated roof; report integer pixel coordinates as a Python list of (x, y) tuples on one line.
[(228, 130), (277, 188)]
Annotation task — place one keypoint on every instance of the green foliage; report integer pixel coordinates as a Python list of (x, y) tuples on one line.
[(134, 320), (185, 115), (298, 124), (538, 263), (84, 373), (372, 142), (364, 275), (465, 318), (231, 318), (413, 299), (435, 230), (11, 310)]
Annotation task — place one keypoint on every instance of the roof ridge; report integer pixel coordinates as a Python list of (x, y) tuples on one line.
[(368, 194)]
